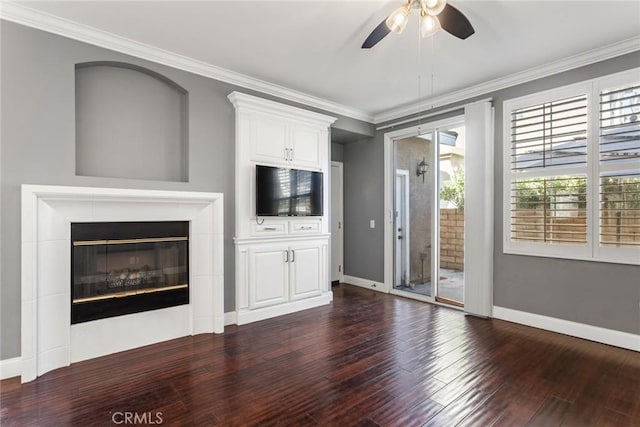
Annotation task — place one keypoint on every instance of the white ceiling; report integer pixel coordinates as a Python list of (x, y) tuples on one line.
[(314, 46)]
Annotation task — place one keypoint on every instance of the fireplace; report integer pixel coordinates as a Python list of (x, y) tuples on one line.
[(48, 338), (122, 268)]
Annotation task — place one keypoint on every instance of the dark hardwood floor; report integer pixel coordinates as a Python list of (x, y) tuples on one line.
[(368, 359)]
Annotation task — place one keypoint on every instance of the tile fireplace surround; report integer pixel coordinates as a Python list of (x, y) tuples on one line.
[(49, 341)]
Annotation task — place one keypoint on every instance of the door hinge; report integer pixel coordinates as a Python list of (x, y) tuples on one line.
[(339, 224), (339, 269)]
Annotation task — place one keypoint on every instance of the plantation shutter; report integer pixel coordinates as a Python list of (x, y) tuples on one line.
[(548, 193), (619, 151)]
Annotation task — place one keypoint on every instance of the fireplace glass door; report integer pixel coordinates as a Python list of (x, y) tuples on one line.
[(124, 268)]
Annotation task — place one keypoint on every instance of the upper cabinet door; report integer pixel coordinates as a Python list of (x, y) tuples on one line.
[(269, 139), (307, 146)]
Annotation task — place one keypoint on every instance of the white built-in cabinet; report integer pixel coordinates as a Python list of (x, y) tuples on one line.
[(283, 142), (281, 262), (282, 272)]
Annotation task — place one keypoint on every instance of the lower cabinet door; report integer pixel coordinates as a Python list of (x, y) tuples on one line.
[(305, 270), (268, 275)]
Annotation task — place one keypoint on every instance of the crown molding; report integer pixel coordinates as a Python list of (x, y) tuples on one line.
[(21, 14), (483, 89)]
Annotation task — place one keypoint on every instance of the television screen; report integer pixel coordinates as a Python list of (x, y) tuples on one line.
[(288, 192)]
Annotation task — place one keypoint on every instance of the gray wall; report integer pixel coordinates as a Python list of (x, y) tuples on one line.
[(38, 144), (337, 152), (129, 124), (594, 293), (363, 201)]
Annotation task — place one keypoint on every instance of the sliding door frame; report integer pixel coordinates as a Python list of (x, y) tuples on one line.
[(389, 184)]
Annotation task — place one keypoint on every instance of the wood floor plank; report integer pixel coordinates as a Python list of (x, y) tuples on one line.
[(552, 413), (368, 359)]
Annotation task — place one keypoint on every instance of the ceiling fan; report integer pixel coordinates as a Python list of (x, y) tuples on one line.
[(434, 14)]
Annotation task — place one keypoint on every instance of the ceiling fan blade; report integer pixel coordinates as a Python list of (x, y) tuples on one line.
[(454, 22), (376, 35)]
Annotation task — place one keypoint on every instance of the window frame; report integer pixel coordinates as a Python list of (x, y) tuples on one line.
[(592, 250)]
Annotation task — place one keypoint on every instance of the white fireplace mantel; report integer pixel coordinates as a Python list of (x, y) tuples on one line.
[(49, 341)]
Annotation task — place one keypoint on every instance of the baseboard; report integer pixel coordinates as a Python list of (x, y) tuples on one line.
[(365, 283), (10, 368), (230, 318), (567, 327), (255, 315)]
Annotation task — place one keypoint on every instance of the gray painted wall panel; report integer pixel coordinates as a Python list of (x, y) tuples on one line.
[(337, 152), (38, 144), (363, 201), (129, 124)]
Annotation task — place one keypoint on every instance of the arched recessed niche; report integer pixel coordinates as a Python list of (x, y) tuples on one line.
[(130, 123)]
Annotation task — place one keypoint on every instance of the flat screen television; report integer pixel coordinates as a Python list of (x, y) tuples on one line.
[(288, 192)]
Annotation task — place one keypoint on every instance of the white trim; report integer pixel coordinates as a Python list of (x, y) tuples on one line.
[(593, 333), (250, 103), (231, 318), (49, 341), (421, 117), (545, 70), (406, 222), (340, 167), (10, 368), (255, 315), (365, 283), (24, 15)]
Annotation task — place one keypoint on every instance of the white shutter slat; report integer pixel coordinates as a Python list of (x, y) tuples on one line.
[(549, 134), (620, 124)]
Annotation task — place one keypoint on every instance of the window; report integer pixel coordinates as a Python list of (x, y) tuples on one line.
[(572, 171)]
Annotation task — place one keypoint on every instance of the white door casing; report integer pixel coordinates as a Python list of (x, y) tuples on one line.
[(402, 230), (337, 221)]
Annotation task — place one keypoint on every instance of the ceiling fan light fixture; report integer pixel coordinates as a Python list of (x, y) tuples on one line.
[(397, 21), (434, 7), (429, 25)]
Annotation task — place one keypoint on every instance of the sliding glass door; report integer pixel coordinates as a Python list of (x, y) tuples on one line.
[(413, 223), (428, 215), (451, 156)]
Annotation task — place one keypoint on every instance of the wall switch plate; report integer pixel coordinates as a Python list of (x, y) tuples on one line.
[(372, 223)]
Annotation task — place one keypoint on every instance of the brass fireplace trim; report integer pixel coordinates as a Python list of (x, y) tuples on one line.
[(128, 241), (129, 293)]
